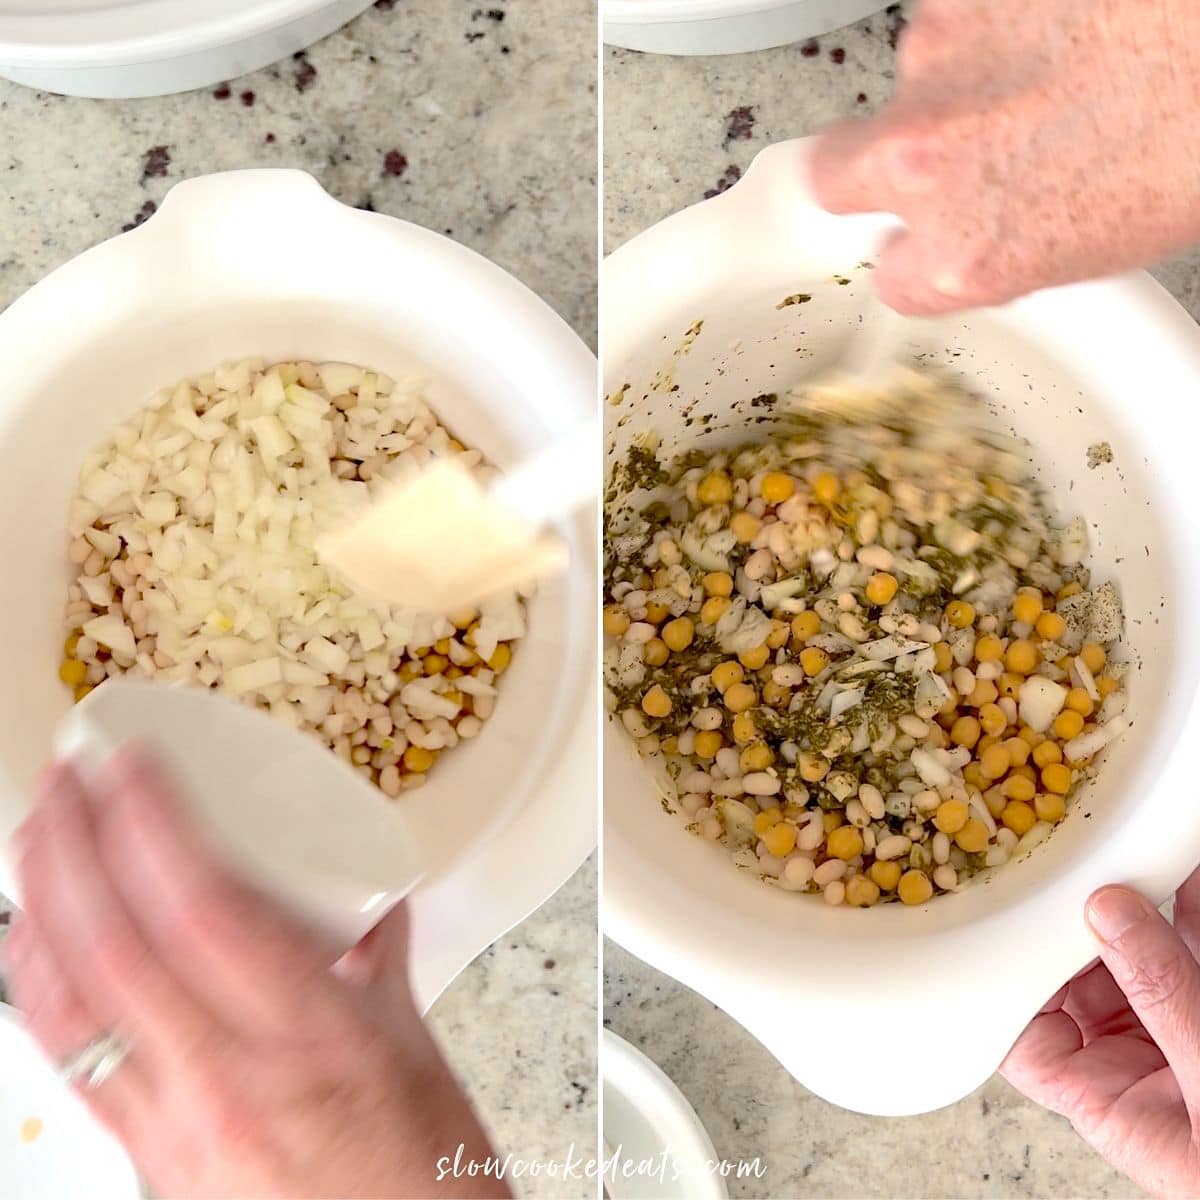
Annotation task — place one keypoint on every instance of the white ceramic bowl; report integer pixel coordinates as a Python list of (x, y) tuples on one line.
[(724, 26), (898, 1010), (108, 49), (265, 263), (655, 1147)]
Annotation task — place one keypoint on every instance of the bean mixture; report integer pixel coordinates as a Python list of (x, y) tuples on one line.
[(193, 537), (870, 663)]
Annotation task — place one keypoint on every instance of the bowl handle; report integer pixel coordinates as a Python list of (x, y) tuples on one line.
[(921, 1055), (768, 216)]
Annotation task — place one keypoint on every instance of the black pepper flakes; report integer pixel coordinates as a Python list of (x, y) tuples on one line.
[(156, 162), (394, 164), (729, 177), (306, 73), (739, 124), (143, 215)]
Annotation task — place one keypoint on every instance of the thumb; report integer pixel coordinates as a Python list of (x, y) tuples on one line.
[(1155, 970), (380, 959)]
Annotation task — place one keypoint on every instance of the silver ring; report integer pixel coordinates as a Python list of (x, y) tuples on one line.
[(96, 1061)]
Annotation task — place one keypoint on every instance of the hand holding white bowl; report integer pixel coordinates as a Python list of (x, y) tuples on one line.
[(1117, 1050), (252, 1068)]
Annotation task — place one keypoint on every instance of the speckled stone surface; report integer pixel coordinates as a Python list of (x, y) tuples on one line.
[(677, 129), (470, 119), (478, 120)]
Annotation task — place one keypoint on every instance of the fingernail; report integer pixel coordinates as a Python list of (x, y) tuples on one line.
[(1112, 910)]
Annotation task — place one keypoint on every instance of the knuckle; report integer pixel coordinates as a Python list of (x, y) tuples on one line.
[(1156, 981), (910, 157)]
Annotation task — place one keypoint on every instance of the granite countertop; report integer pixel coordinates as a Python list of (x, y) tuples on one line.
[(676, 130), (467, 119)]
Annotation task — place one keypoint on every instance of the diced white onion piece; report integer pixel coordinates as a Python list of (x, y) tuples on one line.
[(254, 676), (101, 487), (844, 701), (107, 543), (273, 440), (891, 646), (325, 656), (1087, 745), (98, 589), (1039, 701), (1087, 679), (932, 773), (112, 632)]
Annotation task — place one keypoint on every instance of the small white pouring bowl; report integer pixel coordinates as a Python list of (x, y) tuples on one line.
[(111, 49), (265, 263), (724, 26), (829, 990)]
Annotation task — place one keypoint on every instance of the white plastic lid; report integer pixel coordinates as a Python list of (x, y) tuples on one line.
[(93, 32), (50, 1145)]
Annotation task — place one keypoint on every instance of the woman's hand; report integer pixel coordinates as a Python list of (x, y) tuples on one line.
[(253, 1069), (1027, 144), (1117, 1051)]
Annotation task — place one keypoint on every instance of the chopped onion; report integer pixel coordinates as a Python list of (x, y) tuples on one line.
[(1039, 701)]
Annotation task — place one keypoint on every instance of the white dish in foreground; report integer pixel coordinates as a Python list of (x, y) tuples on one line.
[(648, 1121), (107, 49), (724, 26), (50, 1145)]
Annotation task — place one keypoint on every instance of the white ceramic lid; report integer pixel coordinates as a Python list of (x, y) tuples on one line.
[(89, 32), (50, 1145), (647, 1122)]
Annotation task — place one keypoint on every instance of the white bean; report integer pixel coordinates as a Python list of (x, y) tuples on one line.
[(913, 726), (812, 834), (708, 718), (946, 877), (829, 871), (797, 871), (857, 815), (964, 681), (728, 760), (835, 892), (631, 718), (871, 799), (761, 783), (758, 564), (878, 558), (940, 847), (640, 632), (891, 847), (788, 675)]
